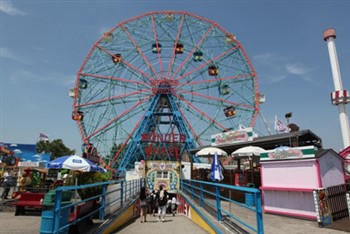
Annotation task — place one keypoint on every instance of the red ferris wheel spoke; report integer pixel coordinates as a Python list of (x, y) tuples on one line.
[(126, 140), (114, 78), (157, 45), (191, 53), (208, 97), (176, 41), (215, 80), (126, 63), (124, 113), (197, 138), (208, 62), (140, 51), (114, 98), (203, 113)]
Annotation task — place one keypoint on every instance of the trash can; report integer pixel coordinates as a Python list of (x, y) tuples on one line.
[(51, 194), (47, 216), (249, 199)]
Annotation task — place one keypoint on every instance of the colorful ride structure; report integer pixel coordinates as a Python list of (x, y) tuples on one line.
[(7, 156), (161, 84)]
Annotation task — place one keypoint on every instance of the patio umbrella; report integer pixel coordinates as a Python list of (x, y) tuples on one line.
[(210, 151), (248, 151), (74, 163), (216, 172)]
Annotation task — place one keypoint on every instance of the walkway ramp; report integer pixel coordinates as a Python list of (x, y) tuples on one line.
[(172, 225)]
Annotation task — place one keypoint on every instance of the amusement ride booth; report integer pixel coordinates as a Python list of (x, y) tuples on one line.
[(289, 177)]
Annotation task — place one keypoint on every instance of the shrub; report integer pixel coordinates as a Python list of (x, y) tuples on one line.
[(91, 178)]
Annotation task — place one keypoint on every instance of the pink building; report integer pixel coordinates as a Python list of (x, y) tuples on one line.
[(346, 155), (290, 175)]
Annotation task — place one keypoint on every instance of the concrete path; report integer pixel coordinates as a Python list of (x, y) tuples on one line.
[(172, 225), (30, 224)]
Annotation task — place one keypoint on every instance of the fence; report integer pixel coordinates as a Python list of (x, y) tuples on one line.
[(331, 203), (118, 196), (232, 205)]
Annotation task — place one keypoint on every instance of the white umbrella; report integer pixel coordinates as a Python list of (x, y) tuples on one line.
[(210, 151), (248, 151), (74, 163)]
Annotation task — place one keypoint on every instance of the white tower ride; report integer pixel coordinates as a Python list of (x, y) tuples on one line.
[(339, 97)]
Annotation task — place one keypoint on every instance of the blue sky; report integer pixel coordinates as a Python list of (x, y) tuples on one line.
[(44, 43)]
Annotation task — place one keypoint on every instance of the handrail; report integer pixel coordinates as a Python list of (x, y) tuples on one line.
[(209, 196), (126, 191)]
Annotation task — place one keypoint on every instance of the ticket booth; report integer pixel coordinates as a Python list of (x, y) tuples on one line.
[(290, 175)]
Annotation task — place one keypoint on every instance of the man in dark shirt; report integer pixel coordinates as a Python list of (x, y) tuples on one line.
[(161, 198)]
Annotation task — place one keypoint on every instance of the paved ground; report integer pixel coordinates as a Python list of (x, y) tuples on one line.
[(30, 223), (172, 225)]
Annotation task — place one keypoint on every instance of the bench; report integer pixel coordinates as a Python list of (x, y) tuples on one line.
[(32, 200), (81, 210)]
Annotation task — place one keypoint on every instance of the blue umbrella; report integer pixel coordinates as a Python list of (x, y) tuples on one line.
[(75, 163), (216, 173)]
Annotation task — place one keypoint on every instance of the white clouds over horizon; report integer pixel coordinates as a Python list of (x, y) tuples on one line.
[(300, 70), (7, 53), (22, 75), (7, 7), (273, 68)]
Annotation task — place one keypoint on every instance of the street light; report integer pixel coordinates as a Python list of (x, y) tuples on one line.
[(288, 116)]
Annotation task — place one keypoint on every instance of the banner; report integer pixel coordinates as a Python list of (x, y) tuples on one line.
[(230, 137), (43, 137), (280, 127)]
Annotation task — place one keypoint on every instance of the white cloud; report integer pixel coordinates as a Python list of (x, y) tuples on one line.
[(297, 69), (300, 70), (7, 7), (6, 53), (70, 81), (269, 68), (263, 57), (272, 68), (20, 76)]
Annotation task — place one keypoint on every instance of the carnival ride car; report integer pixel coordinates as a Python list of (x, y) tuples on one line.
[(7, 157)]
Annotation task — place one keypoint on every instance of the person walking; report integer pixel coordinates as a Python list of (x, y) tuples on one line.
[(7, 184), (151, 200), (162, 198), (173, 205), (143, 205)]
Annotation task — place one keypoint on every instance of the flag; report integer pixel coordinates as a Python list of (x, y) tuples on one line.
[(280, 127), (216, 172), (241, 126), (43, 137)]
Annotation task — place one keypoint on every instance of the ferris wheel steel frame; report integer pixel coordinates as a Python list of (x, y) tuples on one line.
[(157, 82)]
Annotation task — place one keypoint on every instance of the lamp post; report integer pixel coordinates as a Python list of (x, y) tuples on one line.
[(288, 116)]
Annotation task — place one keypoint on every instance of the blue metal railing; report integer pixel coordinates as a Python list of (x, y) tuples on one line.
[(213, 197), (122, 192), (216, 198)]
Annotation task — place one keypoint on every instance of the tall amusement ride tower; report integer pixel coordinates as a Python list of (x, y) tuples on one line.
[(339, 97)]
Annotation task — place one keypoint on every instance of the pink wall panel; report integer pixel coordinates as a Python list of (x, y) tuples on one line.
[(300, 204), (331, 171), (290, 174)]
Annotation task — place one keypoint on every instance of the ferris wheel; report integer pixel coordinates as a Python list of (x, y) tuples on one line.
[(163, 80)]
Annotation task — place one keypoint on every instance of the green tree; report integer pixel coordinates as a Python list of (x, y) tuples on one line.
[(56, 148)]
